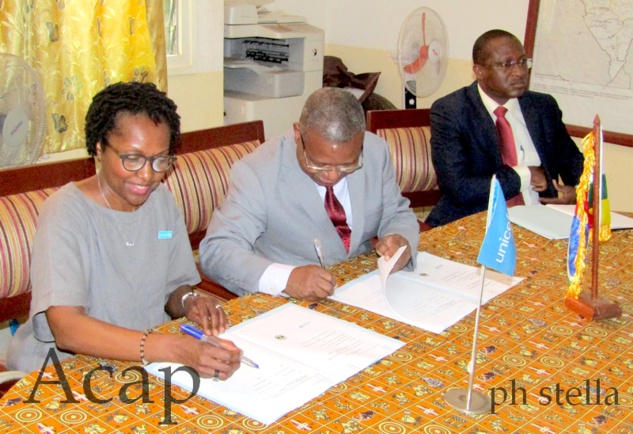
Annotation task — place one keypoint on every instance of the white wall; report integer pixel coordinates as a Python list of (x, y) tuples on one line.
[(197, 88), (364, 34)]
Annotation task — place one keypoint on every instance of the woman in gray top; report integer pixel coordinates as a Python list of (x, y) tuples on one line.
[(111, 257)]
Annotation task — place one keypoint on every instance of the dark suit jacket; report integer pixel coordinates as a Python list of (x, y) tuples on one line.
[(466, 153)]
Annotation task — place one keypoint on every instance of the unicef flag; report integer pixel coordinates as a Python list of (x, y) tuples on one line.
[(498, 250)]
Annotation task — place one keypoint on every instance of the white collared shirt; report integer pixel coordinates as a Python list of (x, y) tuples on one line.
[(526, 151), (275, 278)]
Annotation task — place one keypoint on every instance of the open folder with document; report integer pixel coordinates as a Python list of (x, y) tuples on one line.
[(435, 296), (554, 221), (300, 352)]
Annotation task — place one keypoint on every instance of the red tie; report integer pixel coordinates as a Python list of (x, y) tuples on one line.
[(506, 139), (337, 214), (508, 148)]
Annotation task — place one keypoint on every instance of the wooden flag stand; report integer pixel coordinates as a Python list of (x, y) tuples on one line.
[(592, 307)]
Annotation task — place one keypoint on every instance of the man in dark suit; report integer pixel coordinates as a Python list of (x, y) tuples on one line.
[(466, 145)]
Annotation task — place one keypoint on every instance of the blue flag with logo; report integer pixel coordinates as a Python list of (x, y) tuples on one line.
[(498, 250)]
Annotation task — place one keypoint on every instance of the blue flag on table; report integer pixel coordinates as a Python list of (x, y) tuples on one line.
[(498, 250)]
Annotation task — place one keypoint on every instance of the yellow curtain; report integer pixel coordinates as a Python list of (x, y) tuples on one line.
[(80, 46)]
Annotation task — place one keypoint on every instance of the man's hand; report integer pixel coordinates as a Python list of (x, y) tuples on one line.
[(566, 195), (389, 244), (310, 283), (206, 311), (538, 181)]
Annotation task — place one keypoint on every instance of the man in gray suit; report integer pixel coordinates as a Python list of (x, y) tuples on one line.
[(263, 236)]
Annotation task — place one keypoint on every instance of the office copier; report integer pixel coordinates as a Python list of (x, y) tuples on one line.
[(272, 63)]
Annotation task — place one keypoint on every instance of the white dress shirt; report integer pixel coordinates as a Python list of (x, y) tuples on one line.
[(526, 152), (275, 278)]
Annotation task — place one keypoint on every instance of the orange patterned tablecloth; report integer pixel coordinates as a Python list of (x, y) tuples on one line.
[(550, 367)]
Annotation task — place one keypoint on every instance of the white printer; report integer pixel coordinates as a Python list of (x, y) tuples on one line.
[(272, 63)]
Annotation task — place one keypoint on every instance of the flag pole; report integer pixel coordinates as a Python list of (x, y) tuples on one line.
[(470, 401), (498, 252), (593, 307), (597, 209)]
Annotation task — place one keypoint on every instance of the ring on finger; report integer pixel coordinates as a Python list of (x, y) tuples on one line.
[(218, 306), (216, 375)]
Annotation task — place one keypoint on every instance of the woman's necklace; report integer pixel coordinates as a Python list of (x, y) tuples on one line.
[(126, 238)]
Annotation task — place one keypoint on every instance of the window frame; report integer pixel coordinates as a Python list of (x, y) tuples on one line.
[(183, 62)]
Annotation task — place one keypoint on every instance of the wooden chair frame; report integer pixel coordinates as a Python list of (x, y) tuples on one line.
[(23, 179)]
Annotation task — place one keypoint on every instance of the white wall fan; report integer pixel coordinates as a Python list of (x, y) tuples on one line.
[(422, 52), (22, 115)]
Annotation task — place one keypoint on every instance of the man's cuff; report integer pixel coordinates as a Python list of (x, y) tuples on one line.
[(525, 175), (275, 279)]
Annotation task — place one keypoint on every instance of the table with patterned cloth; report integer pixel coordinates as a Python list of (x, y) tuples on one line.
[(547, 371)]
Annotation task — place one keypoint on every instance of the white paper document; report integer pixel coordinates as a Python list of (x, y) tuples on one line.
[(435, 296), (554, 221), (301, 353)]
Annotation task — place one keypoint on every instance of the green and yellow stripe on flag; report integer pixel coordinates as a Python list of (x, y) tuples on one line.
[(605, 210)]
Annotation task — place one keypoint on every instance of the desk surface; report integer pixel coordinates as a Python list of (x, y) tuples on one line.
[(530, 346)]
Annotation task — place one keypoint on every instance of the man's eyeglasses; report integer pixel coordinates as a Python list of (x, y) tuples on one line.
[(135, 162), (507, 66), (327, 167)]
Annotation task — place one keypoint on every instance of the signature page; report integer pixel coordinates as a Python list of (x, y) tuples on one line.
[(461, 279), (368, 291), (337, 349), (424, 306), (301, 353), (435, 296)]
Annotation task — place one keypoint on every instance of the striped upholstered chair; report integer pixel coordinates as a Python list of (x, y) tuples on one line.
[(199, 182), (23, 190), (408, 134), (200, 179)]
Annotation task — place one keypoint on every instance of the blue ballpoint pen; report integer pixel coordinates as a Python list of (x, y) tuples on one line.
[(199, 334)]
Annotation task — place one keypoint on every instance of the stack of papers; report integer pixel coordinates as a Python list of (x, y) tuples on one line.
[(300, 352), (554, 221), (433, 297)]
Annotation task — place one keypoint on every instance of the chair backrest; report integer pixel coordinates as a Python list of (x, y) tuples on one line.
[(200, 178), (23, 190), (204, 160), (408, 134), (221, 136)]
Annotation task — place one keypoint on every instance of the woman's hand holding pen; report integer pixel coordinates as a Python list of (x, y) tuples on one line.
[(211, 361), (310, 283)]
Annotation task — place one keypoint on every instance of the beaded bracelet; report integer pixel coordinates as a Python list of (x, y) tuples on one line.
[(192, 293), (143, 361)]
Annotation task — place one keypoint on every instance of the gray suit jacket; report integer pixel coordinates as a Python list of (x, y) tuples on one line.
[(273, 212)]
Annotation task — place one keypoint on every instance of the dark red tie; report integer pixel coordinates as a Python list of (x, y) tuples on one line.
[(336, 212), (506, 138), (508, 148)]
